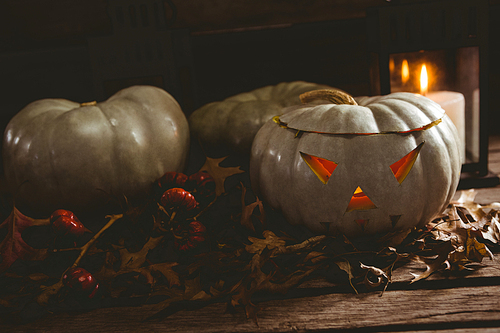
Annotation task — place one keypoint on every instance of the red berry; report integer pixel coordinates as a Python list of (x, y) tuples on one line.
[(65, 225), (62, 212), (178, 197), (81, 281), (186, 240), (203, 183), (171, 179)]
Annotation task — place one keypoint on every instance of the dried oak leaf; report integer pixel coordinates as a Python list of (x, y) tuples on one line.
[(486, 217), (466, 200), (346, 267), (247, 210), (374, 276), (166, 270), (474, 250), (254, 281), (134, 260), (179, 298), (258, 280), (270, 241), (13, 247), (315, 257), (434, 263), (218, 173), (491, 230), (451, 228), (482, 217)]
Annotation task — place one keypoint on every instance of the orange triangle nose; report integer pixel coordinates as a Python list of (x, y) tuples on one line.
[(360, 201)]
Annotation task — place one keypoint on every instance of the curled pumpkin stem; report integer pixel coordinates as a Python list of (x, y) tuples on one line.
[(335, 96), (89, 103)]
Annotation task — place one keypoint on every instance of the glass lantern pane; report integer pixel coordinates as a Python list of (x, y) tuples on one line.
[(452, 77)]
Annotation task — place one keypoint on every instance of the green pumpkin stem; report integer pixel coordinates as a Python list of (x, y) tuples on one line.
[(335, 96)]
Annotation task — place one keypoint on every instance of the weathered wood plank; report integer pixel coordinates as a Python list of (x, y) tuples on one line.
[(445, 301), (395, 310)]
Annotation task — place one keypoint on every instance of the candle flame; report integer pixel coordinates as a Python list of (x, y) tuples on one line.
[(405, 71), (424, 80)]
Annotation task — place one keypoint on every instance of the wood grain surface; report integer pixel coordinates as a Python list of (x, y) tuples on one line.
[(440, 302)]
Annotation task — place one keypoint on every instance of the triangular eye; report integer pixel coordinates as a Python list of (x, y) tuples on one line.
[(323, 168), (401, 168)]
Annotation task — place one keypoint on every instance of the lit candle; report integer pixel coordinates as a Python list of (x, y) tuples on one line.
[(405, 71), (452, 102)]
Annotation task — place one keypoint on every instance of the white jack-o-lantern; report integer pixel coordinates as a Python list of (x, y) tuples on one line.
[(390, 163)]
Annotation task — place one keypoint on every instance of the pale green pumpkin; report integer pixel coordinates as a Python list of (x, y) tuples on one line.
[(230, 125), (390, 163), (62, 154)]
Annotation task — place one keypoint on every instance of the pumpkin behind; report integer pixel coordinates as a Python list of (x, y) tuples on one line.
[(230, 125)]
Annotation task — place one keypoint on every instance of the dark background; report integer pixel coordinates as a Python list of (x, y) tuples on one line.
[(232, 47)]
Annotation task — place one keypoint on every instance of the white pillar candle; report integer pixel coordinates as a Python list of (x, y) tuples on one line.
[(453, 104)]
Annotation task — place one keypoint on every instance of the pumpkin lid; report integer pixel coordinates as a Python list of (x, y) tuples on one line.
[(393, 113)]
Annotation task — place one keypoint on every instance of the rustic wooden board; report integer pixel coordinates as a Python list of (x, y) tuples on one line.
[(419, 309), (441, 301)]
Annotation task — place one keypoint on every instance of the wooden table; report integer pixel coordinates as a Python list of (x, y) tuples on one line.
[(469, 303)]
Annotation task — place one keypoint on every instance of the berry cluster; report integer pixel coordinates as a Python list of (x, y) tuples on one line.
[(180, 199)]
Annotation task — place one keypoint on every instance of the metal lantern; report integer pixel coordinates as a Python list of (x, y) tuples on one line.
[(439, 49)]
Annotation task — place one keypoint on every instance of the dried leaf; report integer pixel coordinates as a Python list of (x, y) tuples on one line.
[(38, 276), (106, 271), (435, 263), (177, 298), (346, 267), (167, 271), (271, 241), (372, 271), (192, 287), (133, 260), (247, 210), (300, 247), (491, 230), (13, 247), (218, 173), (394, 238), (474, 250), (251, 283), (481, 214), (315, 256), (201, 296), (451, 228), (48, 292)]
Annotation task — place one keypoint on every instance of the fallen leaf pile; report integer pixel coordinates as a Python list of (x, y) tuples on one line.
[(204, 243)]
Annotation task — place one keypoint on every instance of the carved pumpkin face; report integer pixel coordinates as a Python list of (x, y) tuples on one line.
[(353, 173)]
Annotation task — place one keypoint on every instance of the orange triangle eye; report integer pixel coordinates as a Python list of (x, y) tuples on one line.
[(323, 168), (401, 168)]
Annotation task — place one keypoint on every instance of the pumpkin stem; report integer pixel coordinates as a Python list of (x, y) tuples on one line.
[(89, 103), (335, 96)]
